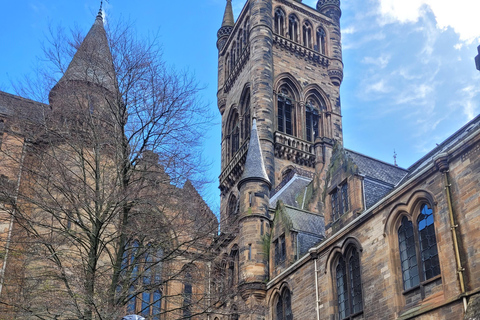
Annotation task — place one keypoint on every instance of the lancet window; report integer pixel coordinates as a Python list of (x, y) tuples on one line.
[(285, 110), (283, 308), (246, 114), (348, 284), (279, 26), (293, 27), (321, 41), (418, 249), (307, 34), (141, 273)]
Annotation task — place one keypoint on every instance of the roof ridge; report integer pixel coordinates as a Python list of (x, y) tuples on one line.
[(375, 159)]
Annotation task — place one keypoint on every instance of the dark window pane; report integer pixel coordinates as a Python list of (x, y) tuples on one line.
[(408, 256), (428, 243), (288, 119), (280, 309), (145, 304), (342, 292), (281, 105), (355, 282), (157, 302), (287, 304), (344, 189), (131, 302), (309, 126)]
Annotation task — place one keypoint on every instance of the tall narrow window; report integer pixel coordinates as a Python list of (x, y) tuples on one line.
[(408, 255), (283, 308), (349, 285), (307, 35), (418, 249), (232, 205), (187, 295), (340, 201), (342, 290), (284, 112), (312, 121), (279, 22), (246, 114), (293, 27), (321, 41), (428, 243)]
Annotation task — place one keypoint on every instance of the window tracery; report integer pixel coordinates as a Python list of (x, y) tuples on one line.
[(279, 19), (285, 110), (307, 34), (293, 27), (348, 284), (321, 41), (418, 248), (283, 308)]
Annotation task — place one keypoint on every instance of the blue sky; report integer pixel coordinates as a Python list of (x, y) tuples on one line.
[(409, 77)]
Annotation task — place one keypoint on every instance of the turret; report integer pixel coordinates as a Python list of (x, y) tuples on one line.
[(331, 8), (262, 75), (254, 187), (227, 26), (90, 77)]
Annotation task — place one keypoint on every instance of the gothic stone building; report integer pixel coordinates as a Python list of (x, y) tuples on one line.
[(310, 229)]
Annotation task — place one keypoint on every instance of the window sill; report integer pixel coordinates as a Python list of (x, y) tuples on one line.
[(422, 284)]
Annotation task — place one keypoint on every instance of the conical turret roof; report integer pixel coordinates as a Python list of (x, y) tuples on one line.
[(228, 20), (93, 61), (254, 166)]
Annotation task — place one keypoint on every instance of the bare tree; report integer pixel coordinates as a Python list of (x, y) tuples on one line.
[(101, 224)]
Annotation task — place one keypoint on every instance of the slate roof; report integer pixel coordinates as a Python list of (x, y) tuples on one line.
[(307, 222), (254, 166), (21, 108), (289, 192), (376, 169)]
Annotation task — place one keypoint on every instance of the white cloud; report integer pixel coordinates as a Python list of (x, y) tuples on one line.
[(380, 62), (469, 102), (461, 16)]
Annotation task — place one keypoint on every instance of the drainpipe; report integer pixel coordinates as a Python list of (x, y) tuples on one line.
[(314, 256), (12, 218), (441, 161)]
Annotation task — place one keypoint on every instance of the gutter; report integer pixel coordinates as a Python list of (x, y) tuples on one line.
[(365, 213)]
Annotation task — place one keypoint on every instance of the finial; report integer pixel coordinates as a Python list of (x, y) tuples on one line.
[(395, 158), (254, 114), (100, 14)]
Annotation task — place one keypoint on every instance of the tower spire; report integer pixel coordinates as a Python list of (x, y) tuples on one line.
[(254, 165), (228, 20), (227, 25), (100, 12)]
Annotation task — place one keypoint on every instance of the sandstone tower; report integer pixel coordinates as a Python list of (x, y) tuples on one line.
[(279, 71)]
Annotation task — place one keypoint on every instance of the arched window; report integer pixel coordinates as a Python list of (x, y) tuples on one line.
[(233, 267), (283, 308), (312, 119), (246, 30), (279, 26), (232, 205), (285, 111), (227, 66), (142, 268), (233, 55), (233, 133), (348, 285), (293, 27), (321, 41), (307, 34), (246, 114), (187, 295), (418, 248)]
